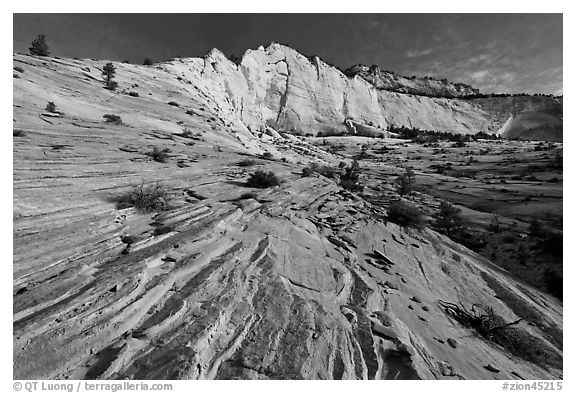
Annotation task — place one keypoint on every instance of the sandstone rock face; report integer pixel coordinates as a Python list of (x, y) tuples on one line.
[(278, 87), (232, 282), (386, 80), (544, 115)]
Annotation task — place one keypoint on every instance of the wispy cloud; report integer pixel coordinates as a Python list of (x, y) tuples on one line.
[(418, 53)]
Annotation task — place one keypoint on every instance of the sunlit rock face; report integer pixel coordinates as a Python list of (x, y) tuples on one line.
[(424, 86), (281, 88)]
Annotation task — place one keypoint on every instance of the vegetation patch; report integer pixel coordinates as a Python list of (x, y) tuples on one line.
[(39, 47), (350, 180), (263, 179), (508, 335), (448, 220), (160, 155), (405, 215), (114, 119), (524, 310), (146, 198)]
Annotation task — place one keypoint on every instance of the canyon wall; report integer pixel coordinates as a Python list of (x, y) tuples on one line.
[(281, 88)]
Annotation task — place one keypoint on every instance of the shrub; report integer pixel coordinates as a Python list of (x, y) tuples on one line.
[(173, 103), (160, 155), (39, 46), (51, 107), (448, 220), (147, 62), (247, 162), (508, 335), (114, 119), (262, 179), (112, 86), (350, 180), (405, 215), (18, 133), (495, 225), (267, 155), (19, 69), (405, 182), (134, 94), (146, 198)]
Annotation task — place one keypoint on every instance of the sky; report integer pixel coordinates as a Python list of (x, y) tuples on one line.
[(500, 53)]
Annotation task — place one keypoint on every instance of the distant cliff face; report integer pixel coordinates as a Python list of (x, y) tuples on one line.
[(548, 109), (424, 86), (281, 88)]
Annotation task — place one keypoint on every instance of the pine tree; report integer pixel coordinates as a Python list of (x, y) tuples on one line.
[(109, 73), (39, 46), (448, 220)]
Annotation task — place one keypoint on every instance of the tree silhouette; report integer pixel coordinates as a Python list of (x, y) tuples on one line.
[(39, 46), (448, 219), (147, 62), (109, 73)]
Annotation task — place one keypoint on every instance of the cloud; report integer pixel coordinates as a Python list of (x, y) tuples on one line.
[(418, 53)]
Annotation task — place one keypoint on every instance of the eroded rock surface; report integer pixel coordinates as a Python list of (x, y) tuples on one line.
[(301, 281)]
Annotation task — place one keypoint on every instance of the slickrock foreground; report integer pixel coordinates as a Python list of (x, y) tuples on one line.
[(301, 281)]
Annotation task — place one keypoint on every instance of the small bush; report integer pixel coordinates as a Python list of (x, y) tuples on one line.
[(147, 198), (173, 103), (190, 112), (160, 155), (112, 85), (448, 220), (508, 335), (51, 107), (247, 162), (114, 119), (134, 94), (405, 215), (19, 69), (350, 180), (18, 133), (39, 46), (147, 62), (267, 156), (262, 179)]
